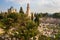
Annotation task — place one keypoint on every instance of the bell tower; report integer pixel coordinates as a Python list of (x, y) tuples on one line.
[(28, 10)]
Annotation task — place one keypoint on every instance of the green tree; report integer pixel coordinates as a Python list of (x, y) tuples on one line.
[(21, 26), (21, 10), (1, 16), (56, 15), (36, 19), (13, 16), (57, 36)]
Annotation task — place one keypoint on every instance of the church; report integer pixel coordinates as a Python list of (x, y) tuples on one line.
[(28, 11)]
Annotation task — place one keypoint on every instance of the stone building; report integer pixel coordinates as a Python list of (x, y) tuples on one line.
[(28, 11), (12, 10)]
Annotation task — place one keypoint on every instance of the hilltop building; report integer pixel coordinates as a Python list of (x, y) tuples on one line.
[(12, 10), (28, 11)]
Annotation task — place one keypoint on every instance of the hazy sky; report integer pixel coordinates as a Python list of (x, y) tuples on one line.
[(35, 5)]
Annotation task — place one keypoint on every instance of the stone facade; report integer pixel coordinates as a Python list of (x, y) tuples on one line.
[(28, 11), (12, 10)]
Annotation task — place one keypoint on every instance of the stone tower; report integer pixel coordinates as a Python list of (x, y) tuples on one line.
[(28, 11)]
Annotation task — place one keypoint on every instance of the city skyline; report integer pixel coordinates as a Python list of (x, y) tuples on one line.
[(49, 6)]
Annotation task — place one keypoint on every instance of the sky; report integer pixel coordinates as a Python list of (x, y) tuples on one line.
[(44, 6)]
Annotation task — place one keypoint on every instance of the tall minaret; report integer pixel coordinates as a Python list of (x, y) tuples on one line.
[(28, 11)]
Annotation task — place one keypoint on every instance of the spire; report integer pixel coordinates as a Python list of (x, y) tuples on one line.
[(28, 5)]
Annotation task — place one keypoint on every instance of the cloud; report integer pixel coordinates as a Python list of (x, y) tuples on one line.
[(40, 5), (19, 1), (38, 2), (47, 6)]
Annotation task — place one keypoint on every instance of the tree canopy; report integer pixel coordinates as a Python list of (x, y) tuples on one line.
[(18, 25), (21, 10)]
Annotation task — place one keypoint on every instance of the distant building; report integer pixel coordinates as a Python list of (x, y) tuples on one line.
[(11, 10), (28, 11)]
